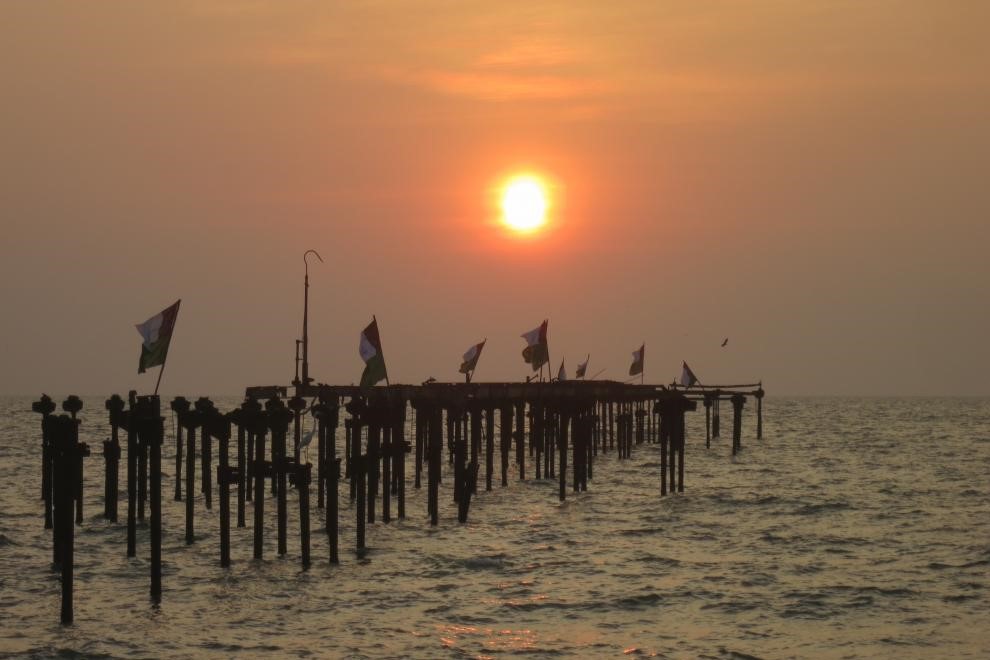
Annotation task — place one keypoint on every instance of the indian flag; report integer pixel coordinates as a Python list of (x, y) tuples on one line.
[(687, 376), (156, 334), (637, 364), (561, 373), (537, 351), (582, 368), (471, 358), (370, 349)]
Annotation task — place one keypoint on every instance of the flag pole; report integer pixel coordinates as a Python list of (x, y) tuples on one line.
[(375, 319), (549, 373), (160, 372), (642, 372)]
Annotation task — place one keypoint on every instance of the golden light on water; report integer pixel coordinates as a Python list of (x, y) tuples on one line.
[(525, 201)]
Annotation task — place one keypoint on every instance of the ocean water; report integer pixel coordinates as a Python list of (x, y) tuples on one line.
[(859, 527)]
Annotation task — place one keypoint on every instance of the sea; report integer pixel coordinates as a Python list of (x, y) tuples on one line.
[(856, 528)]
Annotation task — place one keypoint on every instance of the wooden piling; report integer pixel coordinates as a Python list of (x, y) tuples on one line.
[(259, 483), (278, 424), (132, 445), (386, 463), (152, 436), (45, 407), (737, 405), (520, 438), (708, 421), (419, 422), (505, 443), (358, 468), (112, 453), (434, 447), (489, 446), (303, 476), (206, 409), (562, 424), (180, 406), (65, 434), (191, 420), (759, 412)]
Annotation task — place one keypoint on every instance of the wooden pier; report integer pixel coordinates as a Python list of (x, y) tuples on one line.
[(469, 433)]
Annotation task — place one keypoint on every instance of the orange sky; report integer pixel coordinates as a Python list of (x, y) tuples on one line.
[(806, 178)]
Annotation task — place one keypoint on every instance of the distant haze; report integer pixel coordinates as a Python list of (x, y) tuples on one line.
[(809, 179)]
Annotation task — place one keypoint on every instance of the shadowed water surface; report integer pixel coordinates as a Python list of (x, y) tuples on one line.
[(857, 527)]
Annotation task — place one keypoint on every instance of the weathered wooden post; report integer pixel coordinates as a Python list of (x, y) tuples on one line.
[(640, 423), (373, 456), (251, 409), (111, 453), (327, 418), (349, 454), (45, 407), (520, 438), (219, 427), (129, 421), (151, 432), (333, 532), (419, 421), (759, 412), (180, 406), (434, 447), (278, 423), (716, 417), (73, 405), (64, 432), (386, 466), (505, 444), (737, 405), (678, 430), (237, 416), (142, 471), (537, 439), (475, 443), (400, 447), (708, 420), (205, 408), (259, 418), (663, 407), (611, 423), (190, 420), (563, 417), (358, 470), (673, 449), (303, 476), (489, 445)]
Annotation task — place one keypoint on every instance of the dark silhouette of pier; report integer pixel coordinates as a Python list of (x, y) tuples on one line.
[(470, 433)]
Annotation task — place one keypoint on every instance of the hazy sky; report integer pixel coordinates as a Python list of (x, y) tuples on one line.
[(808, 178)]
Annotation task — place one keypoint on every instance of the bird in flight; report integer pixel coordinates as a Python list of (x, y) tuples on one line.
[(724, 342)]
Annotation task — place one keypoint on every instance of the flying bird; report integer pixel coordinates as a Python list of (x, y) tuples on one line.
[(724, 342)]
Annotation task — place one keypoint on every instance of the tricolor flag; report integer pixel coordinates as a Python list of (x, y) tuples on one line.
[(561, 373), (582, 368), (537, 351), (687, 376), (637, 364), (157, 333), (370, 349), (471, 358)]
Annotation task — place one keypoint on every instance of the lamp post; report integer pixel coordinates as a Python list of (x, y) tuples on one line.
[(305, 338)]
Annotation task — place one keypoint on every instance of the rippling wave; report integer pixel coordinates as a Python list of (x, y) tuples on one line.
[(856, 528)]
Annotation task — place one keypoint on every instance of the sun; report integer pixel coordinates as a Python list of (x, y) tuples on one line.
[(524, 204)]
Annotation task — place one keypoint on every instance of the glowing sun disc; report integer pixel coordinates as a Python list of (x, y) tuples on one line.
[(524, 204)]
